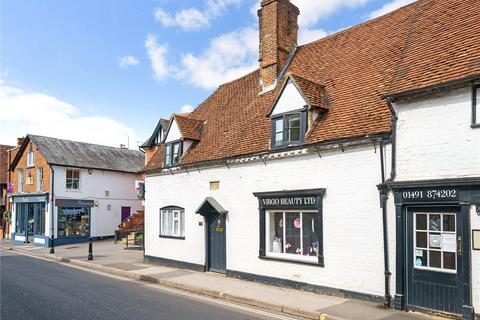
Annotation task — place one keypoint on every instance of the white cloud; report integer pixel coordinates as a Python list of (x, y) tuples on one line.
[(25, 112), (192, 19), (188, 19), (157, 54), (311, 11), (389, 7), (126, 61), (186, 108), (308, 35), (228, 57)]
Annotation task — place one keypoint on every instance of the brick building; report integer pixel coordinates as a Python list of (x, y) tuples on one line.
[(71, 191), (4, 176), (347, 166)]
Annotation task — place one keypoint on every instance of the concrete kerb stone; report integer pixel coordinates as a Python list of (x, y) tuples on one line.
[(185, 287)]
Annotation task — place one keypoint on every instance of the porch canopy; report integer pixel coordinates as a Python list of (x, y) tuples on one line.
[(209, 205)]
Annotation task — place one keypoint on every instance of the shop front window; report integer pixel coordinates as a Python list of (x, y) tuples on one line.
[(292, 234), (21, 218), (39, 225), (73, 222)]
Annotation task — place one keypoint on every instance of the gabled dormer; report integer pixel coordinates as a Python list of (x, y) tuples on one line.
[(181, 134), (296, 108)]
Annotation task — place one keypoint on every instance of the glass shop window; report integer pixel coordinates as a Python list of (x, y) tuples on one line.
[(73, 222), (292, 234), (39, 225), (435, 242)]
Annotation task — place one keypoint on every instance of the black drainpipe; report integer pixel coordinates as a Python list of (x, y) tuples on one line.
[(383, 204), (393, 173), (52, 230)]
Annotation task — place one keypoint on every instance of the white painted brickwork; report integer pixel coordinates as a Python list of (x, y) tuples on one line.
[(435, 139), (121, 187), (353, 245)]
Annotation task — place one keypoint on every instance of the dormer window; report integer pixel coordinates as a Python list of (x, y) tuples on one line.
[(173, 152), (288, 129), (300, 99)]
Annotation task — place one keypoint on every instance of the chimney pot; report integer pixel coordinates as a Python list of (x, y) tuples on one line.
[(20, 141)]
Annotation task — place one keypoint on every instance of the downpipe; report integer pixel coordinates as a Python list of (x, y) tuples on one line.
[(383, 190)]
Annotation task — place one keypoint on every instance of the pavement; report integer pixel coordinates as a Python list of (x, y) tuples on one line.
[(112, 259)]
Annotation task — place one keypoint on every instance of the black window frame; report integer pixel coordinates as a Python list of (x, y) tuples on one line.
[(265, 207), (172, 145), (475, 91), (303, 129)]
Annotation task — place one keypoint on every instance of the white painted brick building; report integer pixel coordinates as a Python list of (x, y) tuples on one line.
[(336, 167)]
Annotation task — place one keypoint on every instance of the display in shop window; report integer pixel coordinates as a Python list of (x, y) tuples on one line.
[(293, 233)]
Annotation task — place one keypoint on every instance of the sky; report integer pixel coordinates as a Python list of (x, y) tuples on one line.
[(105, 71)]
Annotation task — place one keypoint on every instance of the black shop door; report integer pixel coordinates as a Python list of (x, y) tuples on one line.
[(435, 259), (217, 250)]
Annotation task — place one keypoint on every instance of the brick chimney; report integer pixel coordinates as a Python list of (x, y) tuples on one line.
[(20, 141), (278, 38)]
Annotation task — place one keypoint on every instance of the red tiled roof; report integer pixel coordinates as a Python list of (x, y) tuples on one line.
[(189, 127), (428, 42), (4, 163), (312, 91)]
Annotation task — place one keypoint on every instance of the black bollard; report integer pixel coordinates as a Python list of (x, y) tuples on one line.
[(52, 246), (90, 249)]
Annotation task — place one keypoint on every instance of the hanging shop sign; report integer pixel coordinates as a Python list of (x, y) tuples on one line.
[(430, 194)]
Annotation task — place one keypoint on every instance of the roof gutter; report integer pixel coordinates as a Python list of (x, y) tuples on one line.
[(317, 147), (431, 89)]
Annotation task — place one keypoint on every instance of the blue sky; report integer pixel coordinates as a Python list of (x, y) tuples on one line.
[(102, 71)]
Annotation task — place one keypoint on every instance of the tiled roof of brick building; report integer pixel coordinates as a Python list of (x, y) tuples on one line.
[(84, 155), (427, 43), (4, 163)]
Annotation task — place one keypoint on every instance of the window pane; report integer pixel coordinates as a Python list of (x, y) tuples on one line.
[(421, 221), (279, 125), (422, 240), (176, 147), (421, 258), (292, 233), (435, 259), (434, 222), (182, 224), (435, 240), (310, 240), (449, 260), (279, 138), (449, 222), (276, 231), (293, 128)]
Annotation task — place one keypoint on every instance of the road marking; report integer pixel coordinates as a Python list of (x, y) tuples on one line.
[(165, 289)]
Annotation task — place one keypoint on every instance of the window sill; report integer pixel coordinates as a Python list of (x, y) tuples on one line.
[(287, 146), (316, 264), (171, 237)]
